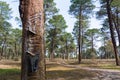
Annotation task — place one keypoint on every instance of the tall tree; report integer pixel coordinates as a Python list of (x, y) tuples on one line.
[(49, 11), (56, 26), (115, 17), (67, 45), (107, 9), (91, 35), (75, 32), (5, 15), (17, 36), (108, 2), (80, 8), (33, 62)]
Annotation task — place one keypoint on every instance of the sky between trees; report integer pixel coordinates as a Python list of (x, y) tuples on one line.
[(63, 6)]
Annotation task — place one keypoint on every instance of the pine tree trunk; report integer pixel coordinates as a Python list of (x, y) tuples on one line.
[(104, 50), (92, 42), (16, 53), (112, 32), (52, 50), (33, 62), (79, 39), (67, 55)]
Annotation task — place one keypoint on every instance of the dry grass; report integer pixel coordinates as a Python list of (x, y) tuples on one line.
[(9, 74), (53, 71), (58, 72), (96, 63), (10, 70)]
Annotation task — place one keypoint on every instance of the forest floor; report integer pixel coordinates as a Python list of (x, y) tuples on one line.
[(66, 70), (104, 69)]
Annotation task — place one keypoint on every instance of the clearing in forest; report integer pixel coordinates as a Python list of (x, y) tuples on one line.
[(66, 70)]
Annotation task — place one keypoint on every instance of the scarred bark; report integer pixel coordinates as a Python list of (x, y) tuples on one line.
[(31, 13)]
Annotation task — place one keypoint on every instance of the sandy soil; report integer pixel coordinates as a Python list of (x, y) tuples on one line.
[(102, 74)]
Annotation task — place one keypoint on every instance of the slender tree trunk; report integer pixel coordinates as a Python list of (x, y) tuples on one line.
[(117, 27), (53, 45), (19, 49), (52, 49), (79, 39), (33, 62), (66, 42), (16, 53), (5, 51), (92, 43), (2, 51), (112, 32), (3, 47), (82, 40), (76, 53), (104, 49), (115, 20)]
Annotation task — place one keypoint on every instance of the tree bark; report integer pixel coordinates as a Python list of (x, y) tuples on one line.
[(52, 49), (33, 62), (79, 39)]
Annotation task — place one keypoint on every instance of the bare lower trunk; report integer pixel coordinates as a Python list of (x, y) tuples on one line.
[(92, 43), (52, 56), (16, 52), (52, 50), (79, 39), (33, 63)]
